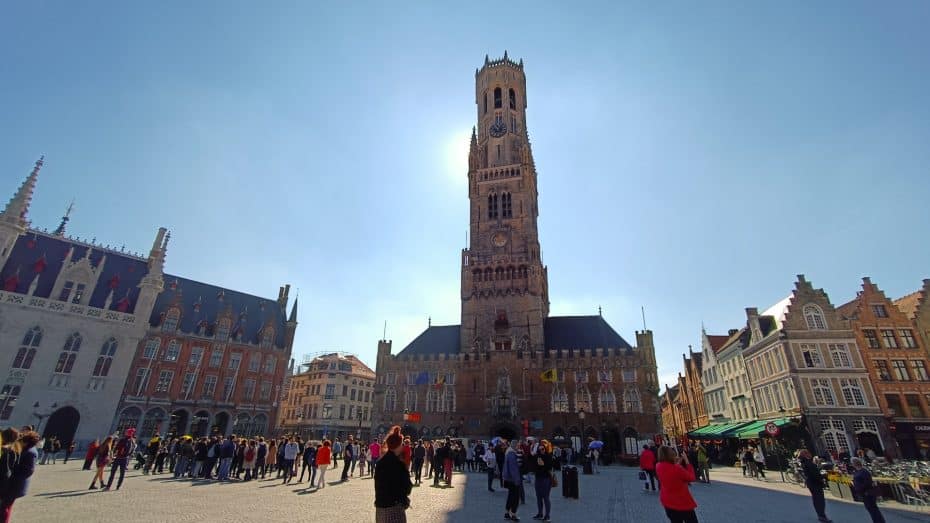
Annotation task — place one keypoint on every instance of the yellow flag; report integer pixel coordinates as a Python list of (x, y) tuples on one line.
[(549, 376)]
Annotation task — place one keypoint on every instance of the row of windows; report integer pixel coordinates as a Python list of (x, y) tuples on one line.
[(910, 407), (500, 204), (498, 99), (327, 412), (851, 388), (208, 390), (435, 402), (69, 351), (330, 392), (812, 355), (448, 377), (500, 273), (774, 397), (173, 352), (888, 340), (899, 371), (606, 400)]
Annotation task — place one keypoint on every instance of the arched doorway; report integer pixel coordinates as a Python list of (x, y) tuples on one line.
[(201, 425), (220, 424), (62, 424), (128, 419), (152, 424), (508, 431), (260, 425), (243, 425), (178, 425)]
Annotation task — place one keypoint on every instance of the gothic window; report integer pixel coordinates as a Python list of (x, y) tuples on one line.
[(607, 401), (631, 401), (433, 403), (68, 354), (270, 362), (410, 400), (171, 320), (485, 102), (513, 99), (390, 401), (840, 355), (487, 274), (72, 291), (814, 317), (8, 397), (499, 273), (582, 399), (448, 399), (105, 359), (513, 128), (492, 206), (852, 392), (833, 432), (27, 351), (559, 399), (506, 205), (497, 98)]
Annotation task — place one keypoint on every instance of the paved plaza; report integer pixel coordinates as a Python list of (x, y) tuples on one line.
[(59, 492)]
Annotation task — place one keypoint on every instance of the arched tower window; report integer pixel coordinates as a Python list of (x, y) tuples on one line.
[(485, 102), (492, 206), (68, 354), (497, 98), (105, 359), (390, 400), (410, 400), (814, 317), (513, 99), (506, 205), (631, 401), (448, 398), (27, 352)]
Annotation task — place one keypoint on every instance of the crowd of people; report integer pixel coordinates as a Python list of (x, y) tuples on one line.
[(18, 458)]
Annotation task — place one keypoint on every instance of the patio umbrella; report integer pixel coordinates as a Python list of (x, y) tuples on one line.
[(596, 444)]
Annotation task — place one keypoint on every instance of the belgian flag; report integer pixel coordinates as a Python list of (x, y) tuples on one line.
[(550, 376)]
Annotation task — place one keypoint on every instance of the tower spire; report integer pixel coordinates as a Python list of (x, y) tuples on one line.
[(60, 231), (18, 206)]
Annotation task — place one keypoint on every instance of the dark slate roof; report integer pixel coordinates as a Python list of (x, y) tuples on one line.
[(202, 302), (43, 254), (440, 339), (562, 332), (581, 332), (717, 342)]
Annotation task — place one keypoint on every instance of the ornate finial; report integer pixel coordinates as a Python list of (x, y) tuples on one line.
[(429, 321), (505, 55), (18, 206), (486, 60), (521, 62), (599, 311), (60, 231)]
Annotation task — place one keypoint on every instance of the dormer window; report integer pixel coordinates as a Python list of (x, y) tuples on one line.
[(222, 330), (497, 98), (171, 320), (267, 338), (72, 292)]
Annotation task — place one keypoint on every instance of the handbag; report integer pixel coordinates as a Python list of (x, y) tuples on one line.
[(554, 478), (642, 475)]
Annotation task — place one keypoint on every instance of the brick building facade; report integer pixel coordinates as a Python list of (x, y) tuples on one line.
[(483, 377)]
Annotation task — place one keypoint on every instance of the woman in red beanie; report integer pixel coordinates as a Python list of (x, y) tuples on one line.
[(392, 482), (675, 473)]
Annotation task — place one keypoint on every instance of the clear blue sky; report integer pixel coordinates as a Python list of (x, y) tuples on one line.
[(693, 158)]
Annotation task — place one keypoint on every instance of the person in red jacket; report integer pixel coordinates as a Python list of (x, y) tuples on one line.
[(675, 473), (647, 462)]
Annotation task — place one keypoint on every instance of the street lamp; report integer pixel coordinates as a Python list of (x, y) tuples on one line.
[(583, 446), (358, 431)]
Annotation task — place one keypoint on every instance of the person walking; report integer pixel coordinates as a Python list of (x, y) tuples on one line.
[(22, 451), (227, 453), (500, 451), (291, 450), (490, 462), (337, 452), (323, 460), (759, 460), (512, 481), (374, 452), (309, 462), (362, 458), (867, 490), (271, 460), (647, 463), (703, 464), (392, 482), (814, 483), (419, 454), (70, 450), (248, 461), (124, 448), (103, 459), (543, 470), (348, 454), (675, 473), (91, 454)]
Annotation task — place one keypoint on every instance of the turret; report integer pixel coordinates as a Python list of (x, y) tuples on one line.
[(13, 221), (153, 282)]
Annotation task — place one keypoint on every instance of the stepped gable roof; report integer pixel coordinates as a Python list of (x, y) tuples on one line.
[(436, 339), (203, 302), (42, 254), (908, 304), (581, 332), (698, 360), (848, 310), (717, 342)]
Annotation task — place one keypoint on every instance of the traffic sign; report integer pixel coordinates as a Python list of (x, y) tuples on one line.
[(772, 428)]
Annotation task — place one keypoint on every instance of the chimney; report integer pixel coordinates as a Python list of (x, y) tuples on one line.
[(732, 332), (752, 314)]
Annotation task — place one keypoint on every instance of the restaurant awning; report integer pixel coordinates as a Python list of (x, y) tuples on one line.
[(754, 429), (716, 431)]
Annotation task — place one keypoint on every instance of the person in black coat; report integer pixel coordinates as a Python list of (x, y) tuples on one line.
[(815, 485), (392, 482), (21, 456)]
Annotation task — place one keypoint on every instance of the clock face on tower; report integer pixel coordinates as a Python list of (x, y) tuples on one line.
[(498, 129), (499, 239)]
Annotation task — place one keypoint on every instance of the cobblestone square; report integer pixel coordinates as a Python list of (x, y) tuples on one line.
[(59, 492)]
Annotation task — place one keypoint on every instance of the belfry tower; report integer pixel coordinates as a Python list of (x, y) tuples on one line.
[(505, 289)]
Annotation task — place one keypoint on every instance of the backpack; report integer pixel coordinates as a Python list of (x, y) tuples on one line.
[(250, 454)]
